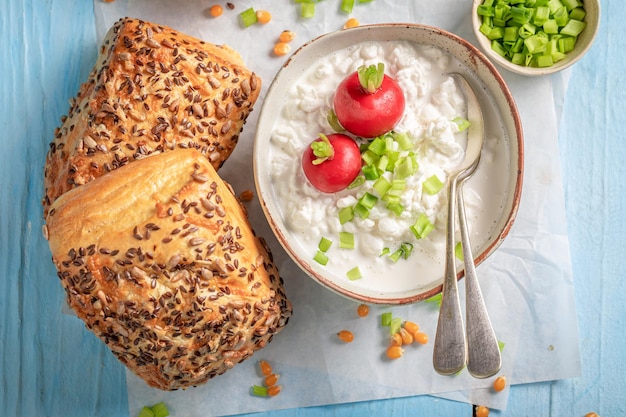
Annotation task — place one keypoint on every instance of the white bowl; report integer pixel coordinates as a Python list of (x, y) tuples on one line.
[(584, 42), (502, 125)]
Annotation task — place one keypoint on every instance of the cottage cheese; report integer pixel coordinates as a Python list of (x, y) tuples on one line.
[(432, 103)]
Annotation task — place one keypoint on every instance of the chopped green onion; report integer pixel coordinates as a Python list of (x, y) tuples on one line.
[(146, 412), (307, 10), (361, 211), (432, 185), (385, 252), (422, 227), (359, 180), (573, 27), (540, 23), (368, 200), (160, 410), (382, 185), (501, 345), (259, 391), (403, 140), (370, 172), (347, 6), (395, 208), (435, 299), (395, 325), (385, 318), (396, 255), (324, 244), (458, 250), (462, 123), (248, 17), (378, 146), (346, 240), (321, 258), (354, 274), (346, 214)]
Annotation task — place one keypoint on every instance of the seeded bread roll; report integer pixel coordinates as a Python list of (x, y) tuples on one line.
[(159, 260), (152, 89)]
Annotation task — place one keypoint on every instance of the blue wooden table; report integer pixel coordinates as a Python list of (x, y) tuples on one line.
[(51, 366)]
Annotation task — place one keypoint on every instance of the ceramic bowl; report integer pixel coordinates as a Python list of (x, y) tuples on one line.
[(583, 43), (503, 134)]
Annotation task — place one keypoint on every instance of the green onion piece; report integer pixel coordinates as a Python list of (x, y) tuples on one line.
[(395, 325), (396, 255), (407, 249), (545, 61), (406, 166), (146, 412), (346, 214), (462, 123), (561, 16), (566, 44), (521, 14), (346, 240), (577, 14), (370, 172), (385, 252), (542, 14), (501, 345), (368, 200), (571, 4), (324, 244), (458, 251), (382, 185), (395, 208), (370, 157), (435, 299), (248, 17), (483, 10), (361, 211), (496, 33), (359, 180), (307, 10), (573, 27), (347, 6), (432, 185), (536, 44), (385, 318), (160, 410), (371, 77), (331, 117), (511, 34), (259, 391), (527, 30), (321, 258), (354, 274), (378, 146), (555, 5), (398, 185), (403, 140), (498, 48), (422, 227), (551, 27)]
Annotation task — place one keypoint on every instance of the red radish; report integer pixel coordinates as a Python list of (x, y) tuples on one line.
[(332, 162), (369, 103)]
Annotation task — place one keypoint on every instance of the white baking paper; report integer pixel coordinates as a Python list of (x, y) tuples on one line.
[(527, 283)]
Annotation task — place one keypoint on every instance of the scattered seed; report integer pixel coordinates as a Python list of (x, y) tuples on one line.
[(363, 310), (263, 16), (394, 352), (287, 36), (345, 336), (481, 411), (266, 368), (281, 48), (351, 23), (246, 195), (216, 10), (421, 338), (499, 384)]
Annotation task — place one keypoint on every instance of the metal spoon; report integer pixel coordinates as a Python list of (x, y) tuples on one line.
[(450, 349)]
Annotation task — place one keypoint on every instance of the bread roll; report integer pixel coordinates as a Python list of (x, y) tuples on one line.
[(152, 89), (160, 262)]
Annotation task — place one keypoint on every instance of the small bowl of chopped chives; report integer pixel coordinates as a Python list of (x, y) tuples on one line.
[(535, 37)]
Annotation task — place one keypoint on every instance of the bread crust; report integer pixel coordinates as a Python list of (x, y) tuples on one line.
[(160, 262), (152, 89)]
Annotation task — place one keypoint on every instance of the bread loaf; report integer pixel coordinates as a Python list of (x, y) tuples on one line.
[(152, 89), (160, 262)]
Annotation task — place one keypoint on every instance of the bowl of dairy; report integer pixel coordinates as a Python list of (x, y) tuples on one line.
[(388, 256)]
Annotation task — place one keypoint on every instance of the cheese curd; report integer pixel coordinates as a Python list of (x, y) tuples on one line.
[(433, 102)]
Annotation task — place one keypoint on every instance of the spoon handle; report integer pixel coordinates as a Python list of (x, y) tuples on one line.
[(450, 351), (484, 359)]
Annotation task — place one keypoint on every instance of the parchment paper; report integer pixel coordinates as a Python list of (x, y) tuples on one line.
[(527, 283)]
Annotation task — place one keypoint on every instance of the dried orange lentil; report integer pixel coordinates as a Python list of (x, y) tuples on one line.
[(287, 36), (421, 338), (351, 23), (592, 415), (216, 10), (499, 384), (263, 16), (266, 368), (407, 338), (271, 379), (281, 48), (394, 352), (274, 390), (396, 340), (345, 336), (246, 195), (411, 327), (481, 411), (362, 310)]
